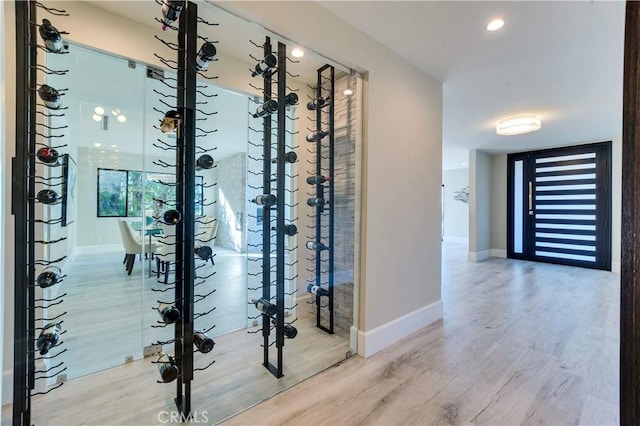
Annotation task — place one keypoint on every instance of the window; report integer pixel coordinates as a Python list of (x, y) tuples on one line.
[(131, 193)]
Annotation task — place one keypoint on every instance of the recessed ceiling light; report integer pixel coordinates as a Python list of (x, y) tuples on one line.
[(97, 117), (122, 118), (297, 53), (463, 164), (494, 25), (114, 146), (518, 125), (117, 150), (347, 92), (96, 144), (104, 152), (98, 110)]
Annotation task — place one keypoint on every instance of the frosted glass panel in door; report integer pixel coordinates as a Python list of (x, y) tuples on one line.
[(518, 203)]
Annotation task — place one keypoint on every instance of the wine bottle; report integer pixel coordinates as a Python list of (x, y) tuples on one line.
[(170, 121), (291, 99), (204, 162), (49, 276), (316, 202), (49, 337), (289, 331), (316, 180), (312, 245), (266, 200), (203, 252), (48, 156), (169, 313), (316, 290), (205, 55), (264, 306), (266, 65), (48, 196), (266, 108), (318, 103), (168, 368), (170, 12), (172, 217), (316, 136), (51, 37), (203, 342), (289, 157), (50, 96), (289, 230)]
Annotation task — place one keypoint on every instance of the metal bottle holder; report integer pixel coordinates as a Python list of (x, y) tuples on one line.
[(275, 161), (322, 200), (34, 130)]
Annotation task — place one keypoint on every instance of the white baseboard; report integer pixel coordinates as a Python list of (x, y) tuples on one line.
[(99, 249), (372, 341), (447, 238), (479, 256), (501, 253), (615, 267)]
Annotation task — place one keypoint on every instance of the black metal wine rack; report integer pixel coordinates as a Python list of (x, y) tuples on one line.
[(188, 106), (35, 130), (322, 200), (274, 163)]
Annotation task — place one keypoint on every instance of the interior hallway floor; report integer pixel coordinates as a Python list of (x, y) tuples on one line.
[(520, 343)]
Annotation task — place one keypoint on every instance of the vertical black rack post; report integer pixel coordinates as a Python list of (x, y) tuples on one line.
[(185, 190), (266, 215), (325, 84), (23, 211), (274, 320), (280, 216)]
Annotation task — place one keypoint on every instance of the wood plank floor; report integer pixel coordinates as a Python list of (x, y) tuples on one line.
[(520, 343)]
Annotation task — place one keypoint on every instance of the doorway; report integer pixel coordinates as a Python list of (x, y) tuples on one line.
[(559, 206)]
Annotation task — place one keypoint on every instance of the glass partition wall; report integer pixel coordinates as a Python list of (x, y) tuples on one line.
[(120, 179)]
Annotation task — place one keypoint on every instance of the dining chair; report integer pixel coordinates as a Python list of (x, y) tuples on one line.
[(132, 246)]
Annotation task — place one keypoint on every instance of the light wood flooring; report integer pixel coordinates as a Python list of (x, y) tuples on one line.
[(110, 313), (520, 343)]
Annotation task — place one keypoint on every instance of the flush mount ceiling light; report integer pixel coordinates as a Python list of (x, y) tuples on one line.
[(519, 125), (297, 53), (97, 117), (121, 118), (347, 92), (495, 25), (98, 110)]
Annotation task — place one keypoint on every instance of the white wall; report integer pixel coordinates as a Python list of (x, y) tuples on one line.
[(3, 143), (456, 212), (479, 205), (7, 219), (499, 205)]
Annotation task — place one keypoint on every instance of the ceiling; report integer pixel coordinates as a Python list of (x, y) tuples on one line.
[(560, 60)]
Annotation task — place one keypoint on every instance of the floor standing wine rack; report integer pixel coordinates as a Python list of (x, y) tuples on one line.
[(275, 229), (323, 198), (186, 111), (38, 107)]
